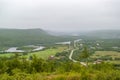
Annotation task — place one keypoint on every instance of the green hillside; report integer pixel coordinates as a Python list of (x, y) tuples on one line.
[(20, 37)]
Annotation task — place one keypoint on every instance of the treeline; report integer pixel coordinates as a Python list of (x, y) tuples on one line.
[(39, 69), (102, 44)]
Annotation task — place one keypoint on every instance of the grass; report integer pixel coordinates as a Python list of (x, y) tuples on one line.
[(41, 54), (112, 54), (46, 53), (108, 54), (6, 55), (115, 62)]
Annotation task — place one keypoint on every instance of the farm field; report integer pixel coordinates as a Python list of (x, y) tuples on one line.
[(41, 54), (46, 53), (112, 54), (6, 55), (107, 56)]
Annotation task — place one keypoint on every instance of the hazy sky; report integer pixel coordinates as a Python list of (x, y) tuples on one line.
[(63, 15)]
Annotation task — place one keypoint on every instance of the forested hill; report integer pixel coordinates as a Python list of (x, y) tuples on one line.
[(19, 37), (104, 34)]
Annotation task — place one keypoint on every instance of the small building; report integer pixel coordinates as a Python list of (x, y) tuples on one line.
[(98, 61), (51, 57)]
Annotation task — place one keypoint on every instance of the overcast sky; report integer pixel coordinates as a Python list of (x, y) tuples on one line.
[(60, 15)]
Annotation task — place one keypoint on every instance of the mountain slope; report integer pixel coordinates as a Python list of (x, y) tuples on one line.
[(19, 37), (104, 34)]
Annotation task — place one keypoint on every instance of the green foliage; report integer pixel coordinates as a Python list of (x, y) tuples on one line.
[(39, 69), (85, 53), (37, 64), (22, 37)]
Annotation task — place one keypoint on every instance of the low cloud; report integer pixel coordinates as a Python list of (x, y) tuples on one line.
[(63, 15)]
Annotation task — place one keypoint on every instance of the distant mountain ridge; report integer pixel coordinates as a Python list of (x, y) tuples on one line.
[(105, 34), (20, 37)]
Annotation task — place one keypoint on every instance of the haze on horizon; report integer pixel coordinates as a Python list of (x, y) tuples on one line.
[(60, 15)]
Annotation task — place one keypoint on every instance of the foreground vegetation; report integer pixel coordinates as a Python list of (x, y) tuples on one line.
[(39, 69)]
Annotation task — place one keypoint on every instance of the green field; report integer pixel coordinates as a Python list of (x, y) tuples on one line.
[(112, 54), (46, 53), (107, 56), (41, 54), (6, 55)]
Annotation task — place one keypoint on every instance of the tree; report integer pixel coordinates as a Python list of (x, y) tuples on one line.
[(85, 54), (37, 64)]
